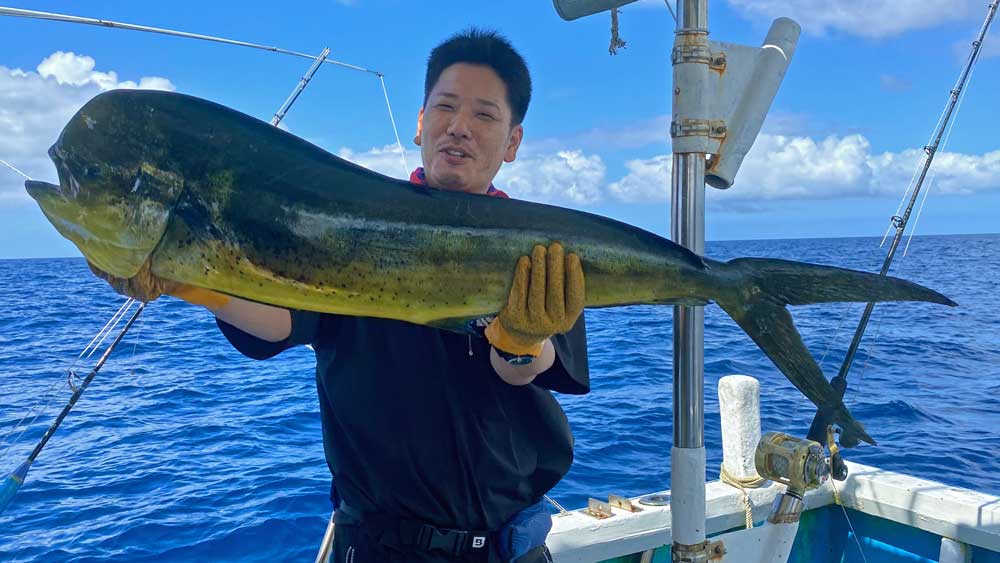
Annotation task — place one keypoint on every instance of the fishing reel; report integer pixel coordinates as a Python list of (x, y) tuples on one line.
[(800, 464)]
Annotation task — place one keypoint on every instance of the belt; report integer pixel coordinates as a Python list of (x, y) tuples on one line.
[(415, 535)]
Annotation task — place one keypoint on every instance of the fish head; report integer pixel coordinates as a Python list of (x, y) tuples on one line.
[(116, 187)]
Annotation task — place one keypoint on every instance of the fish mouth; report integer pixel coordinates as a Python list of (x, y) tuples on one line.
[(42, 191)]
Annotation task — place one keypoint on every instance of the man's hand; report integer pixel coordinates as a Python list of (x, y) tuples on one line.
[(546, 298), (146, 287)]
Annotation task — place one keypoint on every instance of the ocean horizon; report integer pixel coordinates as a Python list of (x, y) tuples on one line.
[(184, 450)]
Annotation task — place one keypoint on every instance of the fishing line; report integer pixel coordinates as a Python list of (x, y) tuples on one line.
[(42, 403), (870, 350), (920, 165), (402, 153), (906, 194), (916, 220), (939, 140), (14, 481), (113, 323), (947, 137), (11, 166), (848, 518), (836, 333)]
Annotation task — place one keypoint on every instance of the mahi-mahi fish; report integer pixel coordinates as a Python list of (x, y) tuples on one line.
[(194, 192)]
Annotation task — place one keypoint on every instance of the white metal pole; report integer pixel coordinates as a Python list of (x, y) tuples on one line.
[(687, 228)]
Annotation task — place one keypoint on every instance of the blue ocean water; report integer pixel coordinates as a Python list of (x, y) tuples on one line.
[(183, 450)]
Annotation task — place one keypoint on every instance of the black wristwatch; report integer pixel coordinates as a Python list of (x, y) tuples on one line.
[(515, 359)]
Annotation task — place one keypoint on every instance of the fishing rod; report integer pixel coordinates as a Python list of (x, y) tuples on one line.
[(13, 482), (817, 431), (33, 14), (317, 60)]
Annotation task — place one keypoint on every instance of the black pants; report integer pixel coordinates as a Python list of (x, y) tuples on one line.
[(352, 543)]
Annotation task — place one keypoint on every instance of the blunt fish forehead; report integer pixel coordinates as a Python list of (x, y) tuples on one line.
[(116, 186)]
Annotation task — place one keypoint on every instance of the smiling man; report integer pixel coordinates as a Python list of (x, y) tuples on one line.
[(441, 445), (467, 128)]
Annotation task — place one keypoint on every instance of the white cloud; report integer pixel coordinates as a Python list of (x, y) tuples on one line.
[(784, 167), (781, 167), (568, 177), (563, 177), (778, 167), (384, 160), (647, 180), (37, 104), (867, 18)]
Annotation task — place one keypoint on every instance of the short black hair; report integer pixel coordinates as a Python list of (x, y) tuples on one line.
[(488, 48)]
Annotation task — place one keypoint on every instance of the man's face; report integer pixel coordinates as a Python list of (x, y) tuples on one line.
[(464, 130)]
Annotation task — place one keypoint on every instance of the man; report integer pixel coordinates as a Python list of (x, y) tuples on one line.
[(442, 445)]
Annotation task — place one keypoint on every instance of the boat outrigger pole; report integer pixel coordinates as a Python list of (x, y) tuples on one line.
[(13, 482), (817, 431)]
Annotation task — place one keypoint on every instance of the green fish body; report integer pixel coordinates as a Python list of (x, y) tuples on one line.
[(204, 195)]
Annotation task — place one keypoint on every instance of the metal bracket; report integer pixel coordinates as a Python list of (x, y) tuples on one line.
[(698, 54), (698, 553), (718, 62), (690, 53), (623, 503), (598, 509), (787, 508), (713, 128)]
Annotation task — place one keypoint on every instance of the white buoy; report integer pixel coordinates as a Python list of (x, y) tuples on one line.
[(739, 407)]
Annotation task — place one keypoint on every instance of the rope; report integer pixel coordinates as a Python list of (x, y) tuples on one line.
[(742, 483), (616, 42)]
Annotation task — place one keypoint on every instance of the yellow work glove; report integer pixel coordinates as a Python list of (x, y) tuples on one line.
[(546, 298), (146, 287)]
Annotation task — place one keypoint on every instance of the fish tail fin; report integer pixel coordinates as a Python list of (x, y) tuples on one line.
[(757, 299)]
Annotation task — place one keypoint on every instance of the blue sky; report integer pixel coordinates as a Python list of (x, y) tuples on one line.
[(863, 93)]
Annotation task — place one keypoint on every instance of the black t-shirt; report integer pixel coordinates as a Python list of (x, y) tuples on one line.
[(416, 427)]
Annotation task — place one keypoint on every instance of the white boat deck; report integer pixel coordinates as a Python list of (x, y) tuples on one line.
[(966, 516)]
